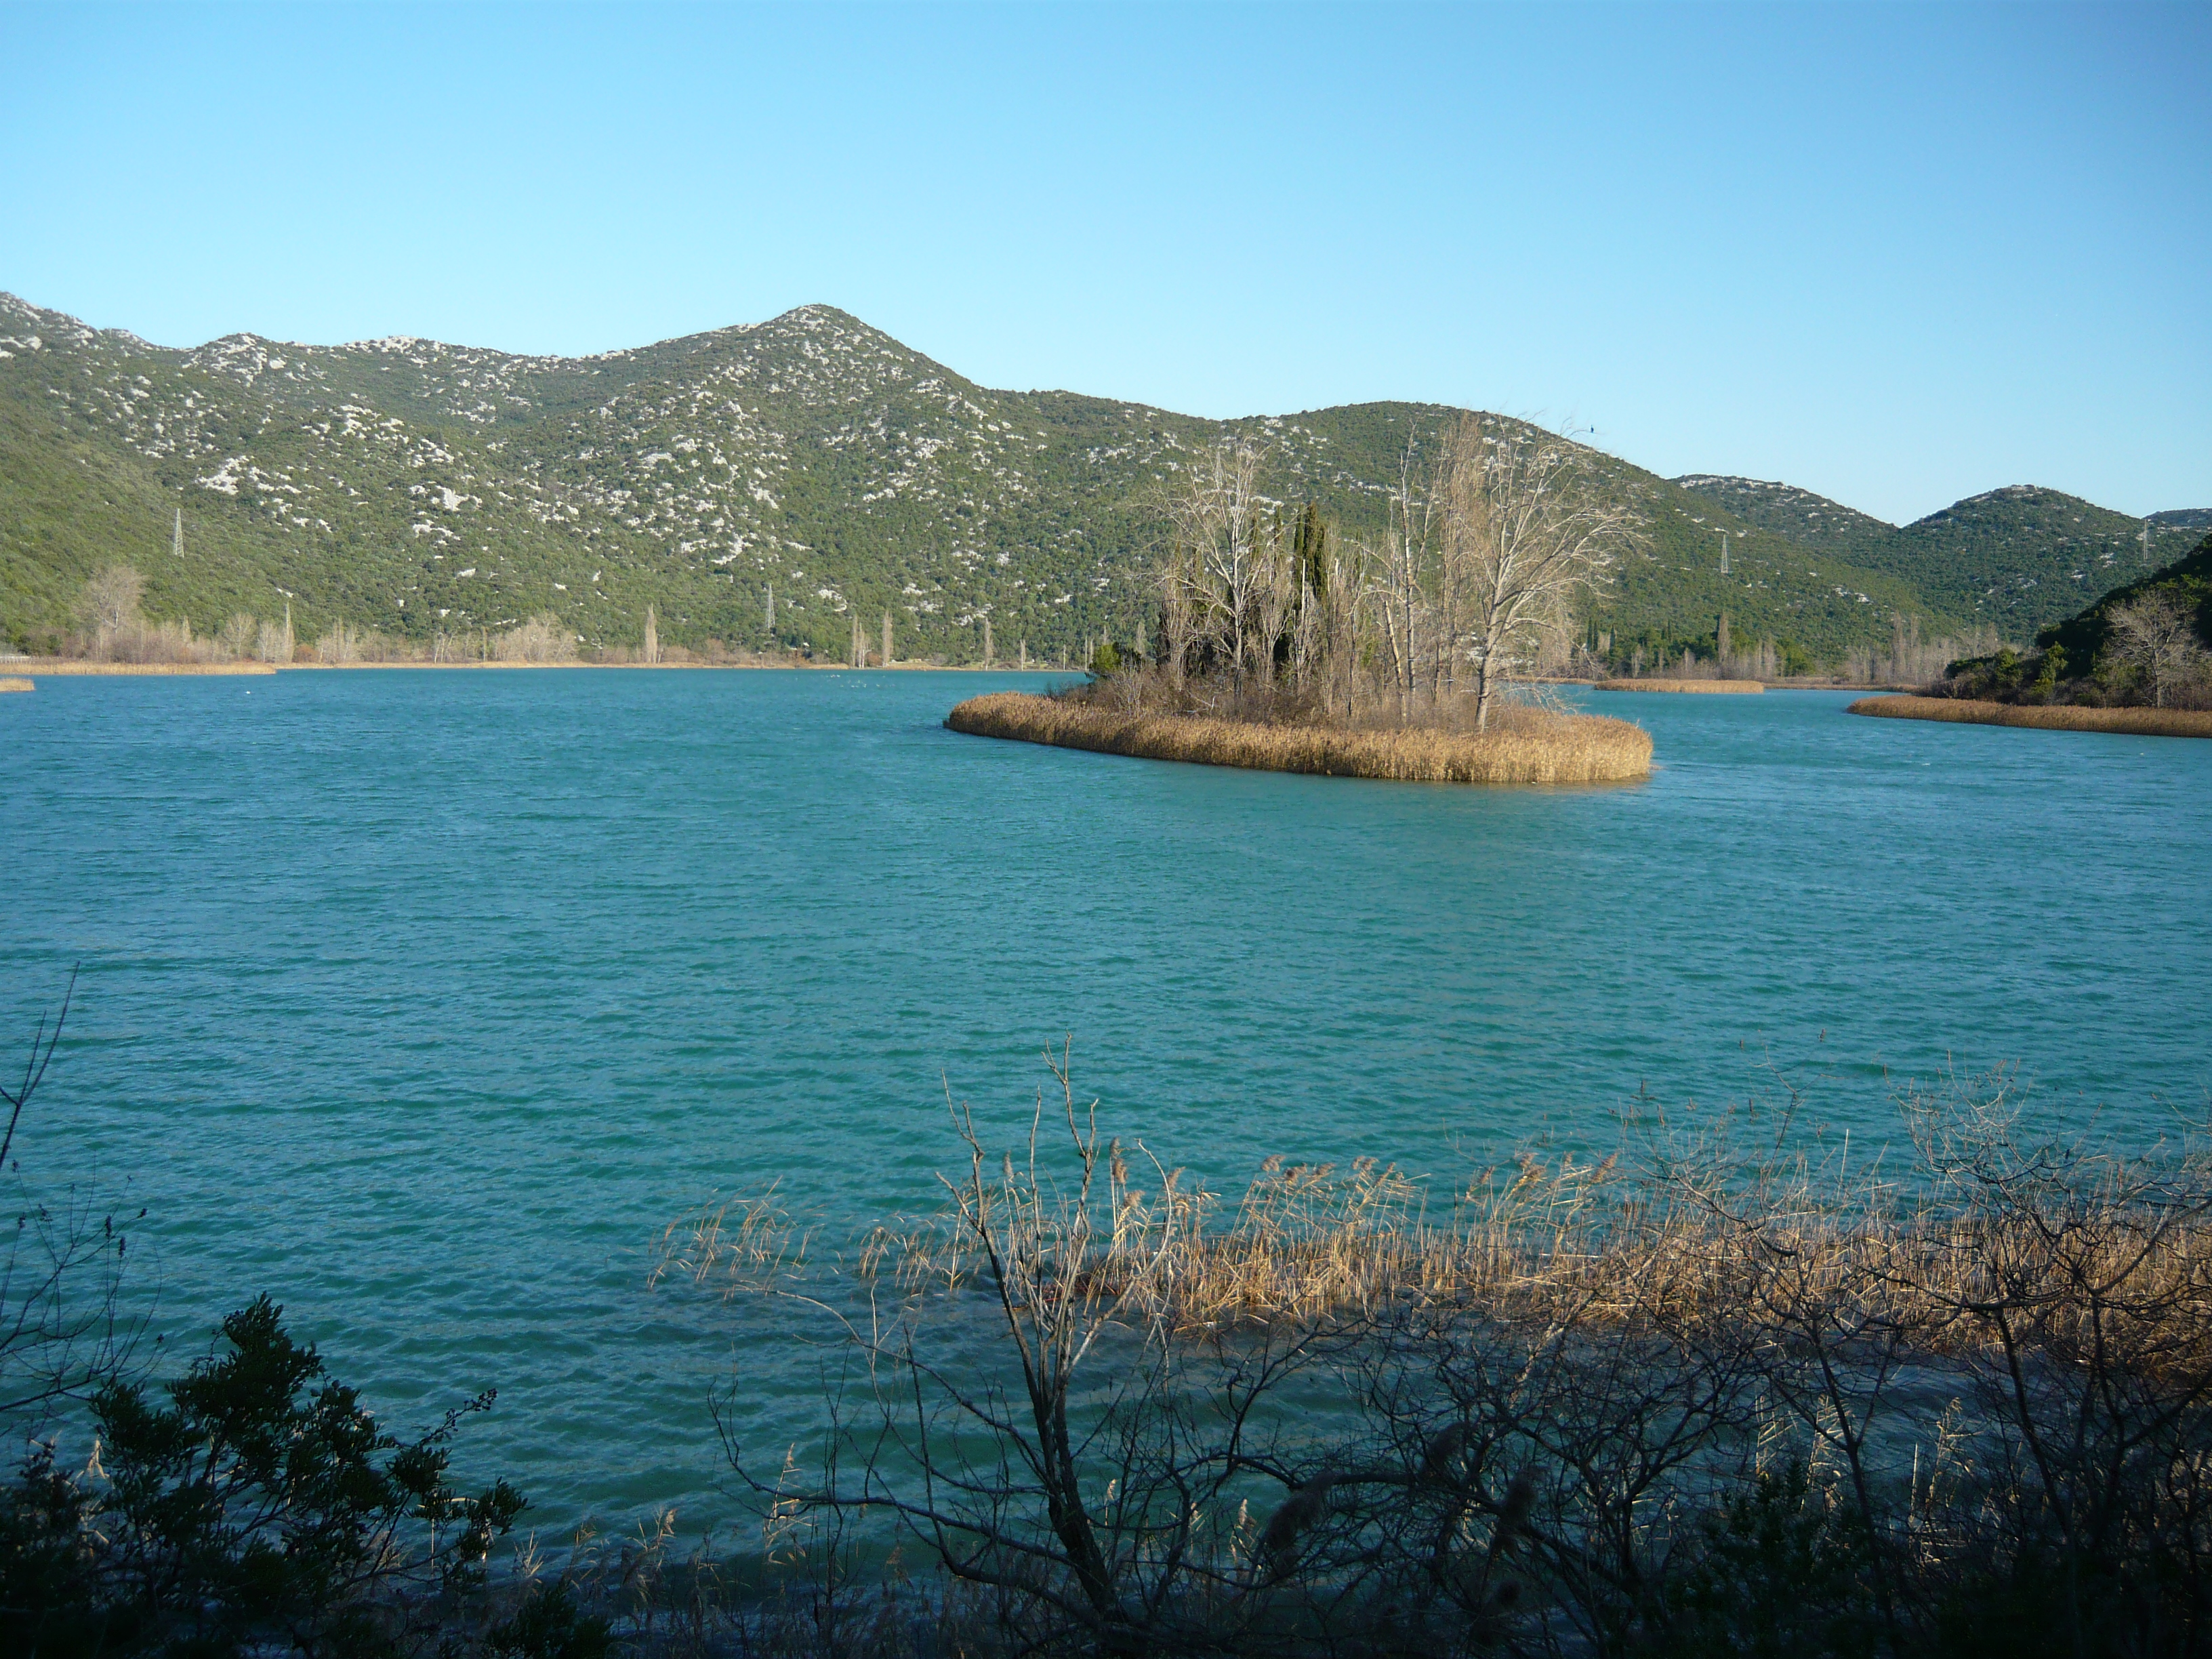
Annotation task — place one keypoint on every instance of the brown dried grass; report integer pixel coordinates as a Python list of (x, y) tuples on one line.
[(1678, 685), (2063, 717), (1717, 1225), (1537, 748), (15, 683), (85, 666)]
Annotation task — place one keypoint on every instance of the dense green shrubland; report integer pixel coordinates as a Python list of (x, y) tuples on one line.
[(2144, 644), (807, 453)]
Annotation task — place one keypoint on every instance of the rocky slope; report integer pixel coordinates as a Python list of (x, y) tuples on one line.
[(415, 488)]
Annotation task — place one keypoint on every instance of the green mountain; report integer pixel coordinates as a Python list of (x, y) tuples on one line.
[(411, 487), (2083, 636), (1812, 521), (2018, 559)]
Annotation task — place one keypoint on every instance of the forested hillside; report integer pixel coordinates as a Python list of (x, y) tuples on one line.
[(2015, 559), (414, 489)]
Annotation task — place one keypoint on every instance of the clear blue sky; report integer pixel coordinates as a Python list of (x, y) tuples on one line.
[(1896, 255)]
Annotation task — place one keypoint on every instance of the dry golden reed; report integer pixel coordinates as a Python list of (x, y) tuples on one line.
[(2132, 722), (1678, 685), (15, 683), (1557, 749), (76, 666), (1696, 1235)]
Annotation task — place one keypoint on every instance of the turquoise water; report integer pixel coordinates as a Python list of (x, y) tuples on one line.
[(423, 1000)]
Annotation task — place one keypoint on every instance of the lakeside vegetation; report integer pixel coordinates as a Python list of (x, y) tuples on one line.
[(1727, 1390), (2140, 722), (1723, 686), (1525, 745), (2137, 659)]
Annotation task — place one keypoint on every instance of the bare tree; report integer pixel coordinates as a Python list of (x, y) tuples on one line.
[(1225, 585), (541, 639), (1525, 531), (1405, 590), (274, 638), (109, 601), (62, 1331), (2157, 634)]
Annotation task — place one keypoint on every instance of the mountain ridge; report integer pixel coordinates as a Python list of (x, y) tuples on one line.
[(415, 487)]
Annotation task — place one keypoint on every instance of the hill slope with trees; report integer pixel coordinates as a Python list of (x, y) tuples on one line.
[(2016, 559), (416, 488)]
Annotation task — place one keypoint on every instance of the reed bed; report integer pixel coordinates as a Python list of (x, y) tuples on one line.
[(1693, 1232), (14, 683), (1737, 1372), (2063, 717), (1539, 749), (87, 665), (1678, 685)]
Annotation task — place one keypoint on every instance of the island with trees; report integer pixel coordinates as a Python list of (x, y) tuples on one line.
[(1284, 644)]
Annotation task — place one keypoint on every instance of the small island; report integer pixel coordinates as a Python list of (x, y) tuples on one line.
[(1285, 645), (1545, 749)]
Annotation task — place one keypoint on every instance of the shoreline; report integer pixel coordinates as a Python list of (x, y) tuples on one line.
[(56, 668), (78, 667), (1680, 686), (2041, 717), (1583, 749)]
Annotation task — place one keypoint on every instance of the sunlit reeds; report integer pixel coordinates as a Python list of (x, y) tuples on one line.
[(2052, 717), (1539, 747), (1678, 685), (1971, 1368)]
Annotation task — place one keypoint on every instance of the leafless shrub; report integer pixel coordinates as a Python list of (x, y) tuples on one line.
[(62, 1331), (1734, 1373)]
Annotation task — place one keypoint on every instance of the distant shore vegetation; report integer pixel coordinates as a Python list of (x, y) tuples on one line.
[(2140, 653), (2135, 722), (1725, 686), (113, 633)]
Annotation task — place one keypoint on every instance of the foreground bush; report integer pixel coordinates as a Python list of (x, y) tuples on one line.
[(1726, 1393), (253, 1500)]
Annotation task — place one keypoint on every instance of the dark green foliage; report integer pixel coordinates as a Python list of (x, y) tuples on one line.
[(2017, 558), (258, 1501), (2084, 635), (548, 1624), (1311, 548), (1781, 1572), (2073, 664)]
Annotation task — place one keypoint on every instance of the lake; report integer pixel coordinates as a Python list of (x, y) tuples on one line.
[(424, 999)]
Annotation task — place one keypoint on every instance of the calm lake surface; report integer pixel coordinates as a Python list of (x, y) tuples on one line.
[(423, 1000)]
